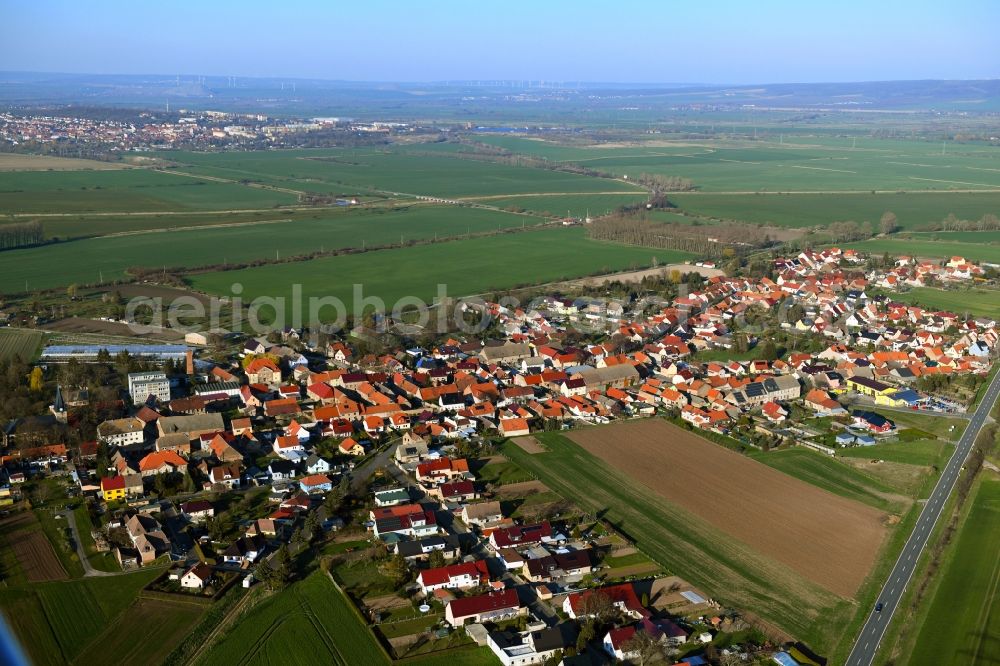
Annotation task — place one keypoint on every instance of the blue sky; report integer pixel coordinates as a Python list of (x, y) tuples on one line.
[(666, 41)]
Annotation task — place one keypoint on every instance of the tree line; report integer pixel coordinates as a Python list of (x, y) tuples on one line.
[(988, 222), (660, 184), (845, 232), (21, 234)]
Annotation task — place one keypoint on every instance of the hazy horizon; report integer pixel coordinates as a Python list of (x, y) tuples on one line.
[(188, 76), (634, 42)]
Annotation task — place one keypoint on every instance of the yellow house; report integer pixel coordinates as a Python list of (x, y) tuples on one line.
[(113, 488)]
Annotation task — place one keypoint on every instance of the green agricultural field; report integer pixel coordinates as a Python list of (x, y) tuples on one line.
[(928, 249), (749, 166), (129, 190), (925, 452), (311, 619), (397, 171), (977, 237), (502, 472), (544, 148), (467, 267), (832, 475), (86, 261), (984, 302), (913, 209), (56, 622), (963, 622), (20, 343), (24, 615), (942, 427), (74, 615), (576, 205), (686, 545), (66, 227), (172, 621), (364, 578), (308, 622)]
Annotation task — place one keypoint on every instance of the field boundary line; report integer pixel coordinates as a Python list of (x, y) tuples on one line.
[(219, 179), (357, 613), (200, 227), (984, 609)]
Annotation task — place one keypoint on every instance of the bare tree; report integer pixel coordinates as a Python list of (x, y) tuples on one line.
[(887, 224), (597, 604), (643, 649)]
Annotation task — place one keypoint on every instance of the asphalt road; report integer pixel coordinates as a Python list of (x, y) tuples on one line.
[(88, 568), (874, 628)]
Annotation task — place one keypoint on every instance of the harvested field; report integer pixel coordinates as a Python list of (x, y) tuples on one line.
[(387, 602), (16, 162), (686, 545), (529, 445), (639, 275), (17, 521), (139, 290), (98, 327), (665, 594), (778, 516), (521, 489), (634, 570), (37, 559)]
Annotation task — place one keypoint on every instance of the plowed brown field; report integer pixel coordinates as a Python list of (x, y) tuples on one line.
[(37, 559), (829, 539)]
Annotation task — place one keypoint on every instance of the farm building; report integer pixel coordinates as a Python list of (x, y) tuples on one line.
[(869, 387), (872, 421), (897, 398), (63, 353)]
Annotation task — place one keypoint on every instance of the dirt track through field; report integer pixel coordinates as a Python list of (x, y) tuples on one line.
[(829, 539)]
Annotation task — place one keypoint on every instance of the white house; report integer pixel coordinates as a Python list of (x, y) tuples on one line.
[(122, 432), (196, 577), (456, 576)]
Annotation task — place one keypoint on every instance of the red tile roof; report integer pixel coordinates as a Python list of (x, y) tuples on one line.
[(484, 603), (113, 483)]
